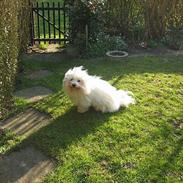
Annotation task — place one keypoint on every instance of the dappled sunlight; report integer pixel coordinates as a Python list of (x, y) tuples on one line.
[(26, 165), (70, 127), (26, 123), (139, 142), (56, 104), (45, 138)]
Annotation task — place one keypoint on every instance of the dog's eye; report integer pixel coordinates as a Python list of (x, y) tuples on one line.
[(78, 80), (71, 79)]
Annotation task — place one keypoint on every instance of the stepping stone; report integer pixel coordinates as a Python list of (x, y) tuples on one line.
[(33, 94), (26, 123), (39, 74), (25, 166)]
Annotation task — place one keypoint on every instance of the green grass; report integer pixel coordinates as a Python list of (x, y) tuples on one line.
[(138, 144), (8, 141), (51, 1)]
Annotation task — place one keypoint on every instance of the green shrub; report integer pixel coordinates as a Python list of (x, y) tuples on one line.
[(84, 12), (105, 43), (136, 21), (13, 38), (174, 39)]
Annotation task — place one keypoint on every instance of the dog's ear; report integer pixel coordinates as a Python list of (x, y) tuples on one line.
[(81, 67), (68, 72)]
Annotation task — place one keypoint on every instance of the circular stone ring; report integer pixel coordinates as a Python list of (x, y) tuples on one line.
[(117, 54)]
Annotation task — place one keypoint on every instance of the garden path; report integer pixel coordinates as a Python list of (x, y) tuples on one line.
[(27, 164), (33, 94), (38, 74)]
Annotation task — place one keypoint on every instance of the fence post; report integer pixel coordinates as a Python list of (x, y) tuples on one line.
[(31, 24), (86, 29)]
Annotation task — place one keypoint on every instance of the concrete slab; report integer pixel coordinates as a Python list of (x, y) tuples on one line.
[(34, 94), (25, 166), (50, 48), (26, 123), (39, 74)]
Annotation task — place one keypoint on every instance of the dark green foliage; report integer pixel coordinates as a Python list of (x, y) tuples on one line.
[(136, 21), (105, 43), (174, 39), (13, 38), (85, 13), (143, 19)]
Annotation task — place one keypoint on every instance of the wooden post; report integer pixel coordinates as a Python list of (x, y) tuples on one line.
[(59, 26), (38, 27), (86, 29), (31, 23), (54, 21), (44, 28), (49, 27)]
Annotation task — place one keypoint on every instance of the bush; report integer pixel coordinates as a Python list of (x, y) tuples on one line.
[(174, 39), (144, 19), (11, 42), (136, 21), (84, 12), (105, 43)]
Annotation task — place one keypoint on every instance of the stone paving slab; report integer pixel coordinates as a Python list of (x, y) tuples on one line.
[(34, 94), (39, 74), (28, 165), (51, 48), (27, 122)]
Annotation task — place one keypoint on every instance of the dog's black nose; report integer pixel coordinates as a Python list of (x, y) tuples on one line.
[(74, 85)]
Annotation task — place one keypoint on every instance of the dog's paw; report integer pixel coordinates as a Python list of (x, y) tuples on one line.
[(97, 108), (82, 109)]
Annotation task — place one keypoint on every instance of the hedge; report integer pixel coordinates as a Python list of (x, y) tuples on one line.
[(14, 31), (134, 20)]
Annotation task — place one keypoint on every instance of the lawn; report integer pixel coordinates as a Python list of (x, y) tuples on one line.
[(143, 143)]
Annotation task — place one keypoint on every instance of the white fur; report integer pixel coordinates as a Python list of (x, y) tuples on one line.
[(86, 91)]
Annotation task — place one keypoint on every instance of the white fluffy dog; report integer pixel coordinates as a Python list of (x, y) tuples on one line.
[(86, 91)]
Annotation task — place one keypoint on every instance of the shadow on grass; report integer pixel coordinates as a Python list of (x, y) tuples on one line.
[(53, 138), (71, 127), (68, 129)]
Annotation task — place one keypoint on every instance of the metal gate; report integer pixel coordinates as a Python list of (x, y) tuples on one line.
[(49, 23)]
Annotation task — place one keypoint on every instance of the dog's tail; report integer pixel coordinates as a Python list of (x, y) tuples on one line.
[(126, 98)]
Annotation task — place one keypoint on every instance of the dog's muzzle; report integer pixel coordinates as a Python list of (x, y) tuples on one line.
[(73, 85)]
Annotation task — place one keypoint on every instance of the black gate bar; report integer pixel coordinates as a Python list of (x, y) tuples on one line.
[(48, 23)]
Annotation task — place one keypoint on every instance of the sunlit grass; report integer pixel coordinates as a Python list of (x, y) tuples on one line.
[(138, 144)]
